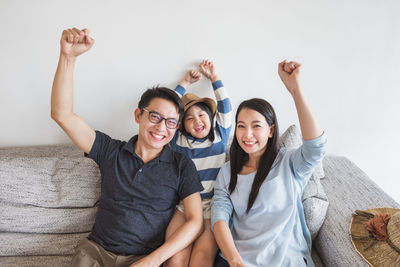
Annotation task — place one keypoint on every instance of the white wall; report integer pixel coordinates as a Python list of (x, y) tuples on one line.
[(349, 51)]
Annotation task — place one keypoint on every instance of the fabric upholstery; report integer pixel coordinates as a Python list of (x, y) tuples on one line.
[(48, 203), (48, 177), (22, 244), (36, 261), (349, 189), (31, 219)]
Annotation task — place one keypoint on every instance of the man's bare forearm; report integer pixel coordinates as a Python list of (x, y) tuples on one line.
[(183, 237), (62, 92)]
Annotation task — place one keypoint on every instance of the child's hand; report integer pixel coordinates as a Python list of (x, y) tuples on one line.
[(289, 73), (207, 67), (190, 77)]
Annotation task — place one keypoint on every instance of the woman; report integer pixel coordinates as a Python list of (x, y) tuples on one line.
[(256, 213)]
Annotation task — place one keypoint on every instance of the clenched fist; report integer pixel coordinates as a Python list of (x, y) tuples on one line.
[(289, 73), (75, 42)]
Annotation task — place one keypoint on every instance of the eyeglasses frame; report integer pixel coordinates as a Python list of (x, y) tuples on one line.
[(162, 119)]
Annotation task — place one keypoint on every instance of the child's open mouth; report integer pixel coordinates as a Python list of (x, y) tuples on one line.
[(199, 129)]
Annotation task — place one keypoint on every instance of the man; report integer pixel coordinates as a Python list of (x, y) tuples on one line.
[(142, 179)]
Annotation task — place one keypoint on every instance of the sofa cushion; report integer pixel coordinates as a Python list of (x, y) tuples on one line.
[(36, 261), (49, 197), (316, 258), (48, 177), (30, 219), (21, 244), (315, 201), (315, 205)]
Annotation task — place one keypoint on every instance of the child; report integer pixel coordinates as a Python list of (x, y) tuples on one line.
[(206, 146)]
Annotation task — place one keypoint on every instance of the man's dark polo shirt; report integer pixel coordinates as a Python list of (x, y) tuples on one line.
[(138, 200)]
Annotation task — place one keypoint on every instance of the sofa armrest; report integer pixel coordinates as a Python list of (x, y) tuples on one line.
[(348, 189)]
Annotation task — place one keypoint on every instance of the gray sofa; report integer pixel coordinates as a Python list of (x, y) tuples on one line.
[(48, 198)]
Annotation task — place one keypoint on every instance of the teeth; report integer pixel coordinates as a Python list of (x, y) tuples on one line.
[(157, 136), (249, 143)]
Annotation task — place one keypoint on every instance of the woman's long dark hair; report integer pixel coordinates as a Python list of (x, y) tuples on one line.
[(239, 157)]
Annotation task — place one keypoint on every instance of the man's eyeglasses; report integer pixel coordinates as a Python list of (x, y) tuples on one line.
[(156, 118)]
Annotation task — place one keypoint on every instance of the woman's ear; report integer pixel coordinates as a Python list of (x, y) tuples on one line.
[(271, 130)]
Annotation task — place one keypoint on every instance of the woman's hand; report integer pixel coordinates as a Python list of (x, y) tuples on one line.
[(289, 73), (237, 264)]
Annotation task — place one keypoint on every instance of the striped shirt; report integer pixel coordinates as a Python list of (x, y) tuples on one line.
[(208, 156)]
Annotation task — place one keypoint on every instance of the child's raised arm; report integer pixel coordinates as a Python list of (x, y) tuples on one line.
[(191, 77), (289, 73), (223, 115), (207, 67)]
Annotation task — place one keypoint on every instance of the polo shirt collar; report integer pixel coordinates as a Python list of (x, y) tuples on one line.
[(166, 154)]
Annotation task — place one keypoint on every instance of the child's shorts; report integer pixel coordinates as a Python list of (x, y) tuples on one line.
[(205, 203)]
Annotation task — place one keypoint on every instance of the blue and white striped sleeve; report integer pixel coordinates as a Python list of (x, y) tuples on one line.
[(223, 116), (180, 90)]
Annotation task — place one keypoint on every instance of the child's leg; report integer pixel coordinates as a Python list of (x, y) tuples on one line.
[(205, 248), (182, 257)]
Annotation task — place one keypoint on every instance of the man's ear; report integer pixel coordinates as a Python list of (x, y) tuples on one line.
[(271, 130), (137, 115)]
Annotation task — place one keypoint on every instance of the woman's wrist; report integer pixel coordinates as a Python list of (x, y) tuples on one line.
[(236, 262), (234, 259)]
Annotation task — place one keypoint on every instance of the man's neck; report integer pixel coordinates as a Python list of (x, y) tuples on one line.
[(145, 153)]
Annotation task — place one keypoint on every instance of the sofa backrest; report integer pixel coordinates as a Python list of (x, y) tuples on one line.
[(48, 199)]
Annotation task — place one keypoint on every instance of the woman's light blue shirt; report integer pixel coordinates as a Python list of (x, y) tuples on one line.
[(274, 232)]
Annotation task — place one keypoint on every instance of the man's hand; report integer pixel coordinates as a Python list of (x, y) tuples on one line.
[(208, 69), (75, 42), (289, 73)]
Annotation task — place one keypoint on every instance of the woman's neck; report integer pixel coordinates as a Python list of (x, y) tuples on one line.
[(251, 165)]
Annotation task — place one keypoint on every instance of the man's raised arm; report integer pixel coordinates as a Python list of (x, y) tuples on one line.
[(73, 43)]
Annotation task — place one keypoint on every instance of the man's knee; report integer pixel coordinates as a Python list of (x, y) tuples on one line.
[(82, 258), (87, 254)]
